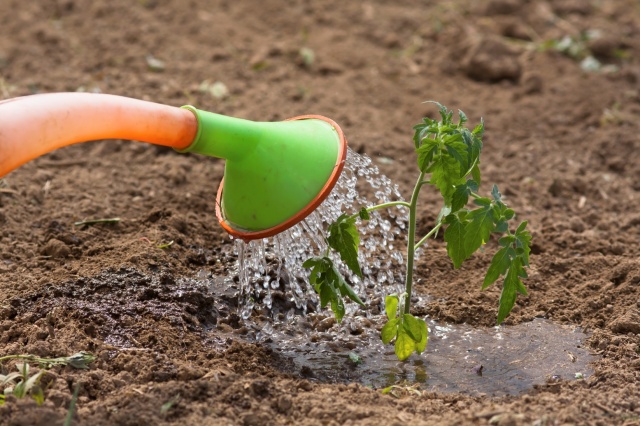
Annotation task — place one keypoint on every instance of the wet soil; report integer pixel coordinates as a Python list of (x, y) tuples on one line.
[(561, 142)]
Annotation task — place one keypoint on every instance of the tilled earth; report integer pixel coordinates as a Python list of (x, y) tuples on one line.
[(561, 142)]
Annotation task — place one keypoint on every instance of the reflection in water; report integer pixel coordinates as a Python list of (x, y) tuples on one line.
[(459, 358)]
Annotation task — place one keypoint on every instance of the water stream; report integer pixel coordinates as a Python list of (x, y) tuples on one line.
[(275, 264)]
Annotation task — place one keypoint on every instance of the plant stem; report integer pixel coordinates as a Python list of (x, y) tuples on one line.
[(411, 249), (27, 357), (382, 206), (426, 237)]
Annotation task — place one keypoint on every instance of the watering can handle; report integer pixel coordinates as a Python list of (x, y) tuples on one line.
[(32, 126)]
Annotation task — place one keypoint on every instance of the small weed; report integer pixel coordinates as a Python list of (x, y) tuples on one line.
[(169, 404), (22, 383)]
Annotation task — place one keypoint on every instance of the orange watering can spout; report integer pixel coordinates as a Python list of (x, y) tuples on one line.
[(31, 126)]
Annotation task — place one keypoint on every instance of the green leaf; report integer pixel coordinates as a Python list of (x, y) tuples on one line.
[(364, 214), (512, 285), (337, 306), (164, 408), (426, 153), (318, 266), (37, 394), (31, 382), (344, 238), (390, 330), (479, 129), (391, 305), (2, 399), (413, 327), (445, 175), (478, 230), (421, 346), (458, 150), (460, 197), (19, 390), (81, 360), (341, 284), (475, 173), (463, 118), (404, 346), (454, 237), (499, 265), (327, 293), (355, 358), (9, 378), (507, 240), (495, 193), (523, 241)]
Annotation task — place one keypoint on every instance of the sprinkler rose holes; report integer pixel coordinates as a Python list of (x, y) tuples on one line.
[(449, 154)]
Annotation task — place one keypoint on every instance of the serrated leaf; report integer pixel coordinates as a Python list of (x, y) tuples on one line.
[(389, 331), (512, 285), (478, 229), (327, 293), (426, 152), (479, 129), (458, 150), (495, 193), (454, 237), (422, 344), (344, 238), (506, 240), (391, 305), (337, 306), (404, 345), (460, 197), (499, 265), (475, 173), (341, 284), (463, 117), (445, 175), (413, 327), (311, 262)]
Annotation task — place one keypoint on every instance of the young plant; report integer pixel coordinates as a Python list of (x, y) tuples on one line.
[(21, 383), (448, 159)]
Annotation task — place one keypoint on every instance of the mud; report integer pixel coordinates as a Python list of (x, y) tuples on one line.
[(561, 142)]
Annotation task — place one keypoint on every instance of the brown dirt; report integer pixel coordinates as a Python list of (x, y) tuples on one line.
[(561, 143)]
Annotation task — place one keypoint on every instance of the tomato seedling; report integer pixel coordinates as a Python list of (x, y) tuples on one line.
[(448, 159)]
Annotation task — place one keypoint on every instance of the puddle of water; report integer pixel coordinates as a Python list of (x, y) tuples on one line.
[(513, 358)]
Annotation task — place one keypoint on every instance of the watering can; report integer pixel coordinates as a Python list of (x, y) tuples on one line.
[(275, 174)]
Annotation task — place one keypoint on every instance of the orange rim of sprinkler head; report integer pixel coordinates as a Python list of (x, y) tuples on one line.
[(276, 174), (247, 235)]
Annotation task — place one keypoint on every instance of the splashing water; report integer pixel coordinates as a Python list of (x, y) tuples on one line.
[(272, 267)]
